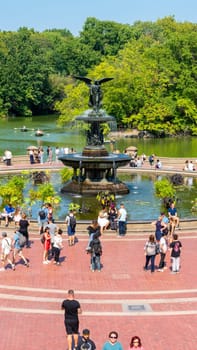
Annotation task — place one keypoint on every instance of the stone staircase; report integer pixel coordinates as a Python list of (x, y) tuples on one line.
[(133, 227)]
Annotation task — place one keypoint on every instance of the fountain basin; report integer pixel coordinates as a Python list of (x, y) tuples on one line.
[(96, 173)]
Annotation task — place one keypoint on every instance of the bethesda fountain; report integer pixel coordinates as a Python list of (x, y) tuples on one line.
[(95, 169)]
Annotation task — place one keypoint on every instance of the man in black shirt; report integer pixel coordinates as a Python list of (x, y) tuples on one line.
[(72, 308), (85, 343)]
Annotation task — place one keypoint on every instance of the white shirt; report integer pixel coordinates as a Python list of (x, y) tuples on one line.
[(57, 241), (163, 245), (190, 166), (6, 245), (122, 214)]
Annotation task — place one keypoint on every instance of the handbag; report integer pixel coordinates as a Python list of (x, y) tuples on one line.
[(157, 248)]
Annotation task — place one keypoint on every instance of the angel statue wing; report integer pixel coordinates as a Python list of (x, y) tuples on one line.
[(86, 80), (103, 80), (95, 90)]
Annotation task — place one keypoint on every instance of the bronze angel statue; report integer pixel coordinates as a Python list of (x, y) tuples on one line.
[(96, 94)]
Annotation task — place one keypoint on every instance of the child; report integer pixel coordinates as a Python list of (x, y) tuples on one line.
[(5, 251), (175, 246)]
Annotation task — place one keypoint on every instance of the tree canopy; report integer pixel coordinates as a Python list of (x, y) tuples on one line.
[(153, 65)]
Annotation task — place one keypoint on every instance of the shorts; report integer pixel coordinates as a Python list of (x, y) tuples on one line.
[(71, 231), (72, 326)]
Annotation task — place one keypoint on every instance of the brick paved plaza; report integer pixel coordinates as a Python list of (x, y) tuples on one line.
[(161, 308)]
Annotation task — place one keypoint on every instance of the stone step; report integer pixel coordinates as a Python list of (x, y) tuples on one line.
[(133, 227)]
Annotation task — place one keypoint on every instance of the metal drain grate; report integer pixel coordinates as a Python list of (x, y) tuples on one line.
[(136, 307)]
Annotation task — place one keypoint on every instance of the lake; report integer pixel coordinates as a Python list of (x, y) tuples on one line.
[(11, 137), (141, 202)]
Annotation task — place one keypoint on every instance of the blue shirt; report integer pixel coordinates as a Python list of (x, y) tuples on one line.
[(9, 210), (172, 211), (116, 346)]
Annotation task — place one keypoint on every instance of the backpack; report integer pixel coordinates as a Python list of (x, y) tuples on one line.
[(72, 221), (22, 240), (42, 214), (42, 239), (96, 247), (150, 249)]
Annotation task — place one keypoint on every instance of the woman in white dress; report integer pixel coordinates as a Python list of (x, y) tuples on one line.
[(103, 220)]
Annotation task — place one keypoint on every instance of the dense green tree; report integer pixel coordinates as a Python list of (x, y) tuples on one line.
[(153, 65), (24, 75)]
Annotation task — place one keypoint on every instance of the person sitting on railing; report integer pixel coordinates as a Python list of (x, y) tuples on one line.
[(158, 165), (173, 217), (8, 213), (191, 166)]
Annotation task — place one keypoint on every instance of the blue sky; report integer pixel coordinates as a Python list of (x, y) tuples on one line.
[(71, 14)]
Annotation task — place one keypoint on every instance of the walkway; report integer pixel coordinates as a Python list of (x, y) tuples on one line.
[(169, 166), (161, 308)]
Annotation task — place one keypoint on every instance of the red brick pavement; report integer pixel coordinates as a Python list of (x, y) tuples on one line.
[(31, 297)]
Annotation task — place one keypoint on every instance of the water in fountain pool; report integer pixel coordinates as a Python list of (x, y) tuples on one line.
[(141, 202)]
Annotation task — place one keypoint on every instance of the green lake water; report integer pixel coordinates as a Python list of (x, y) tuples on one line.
[(11, 137), (141, 202)]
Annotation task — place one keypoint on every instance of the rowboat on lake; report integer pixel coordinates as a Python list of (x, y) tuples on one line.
[(39, 133)]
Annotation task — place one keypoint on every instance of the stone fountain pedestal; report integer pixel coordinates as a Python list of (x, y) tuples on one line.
[(95, 169)]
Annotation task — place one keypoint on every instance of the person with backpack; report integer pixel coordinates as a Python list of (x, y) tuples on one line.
[(71, 227), (18, 249), (42, 218), (85, 343), (96, 252), (175, 246), (93, 229)]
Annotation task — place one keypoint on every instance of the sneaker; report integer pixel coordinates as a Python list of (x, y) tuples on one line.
[(2, 269), (27, 264), (165, 268), (160, 270), (13, 267), (45, 262)]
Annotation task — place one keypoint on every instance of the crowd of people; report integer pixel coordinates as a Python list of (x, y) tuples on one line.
[(163, 240), (51, 234), (72, 309), (48, 155), (165, 237)]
